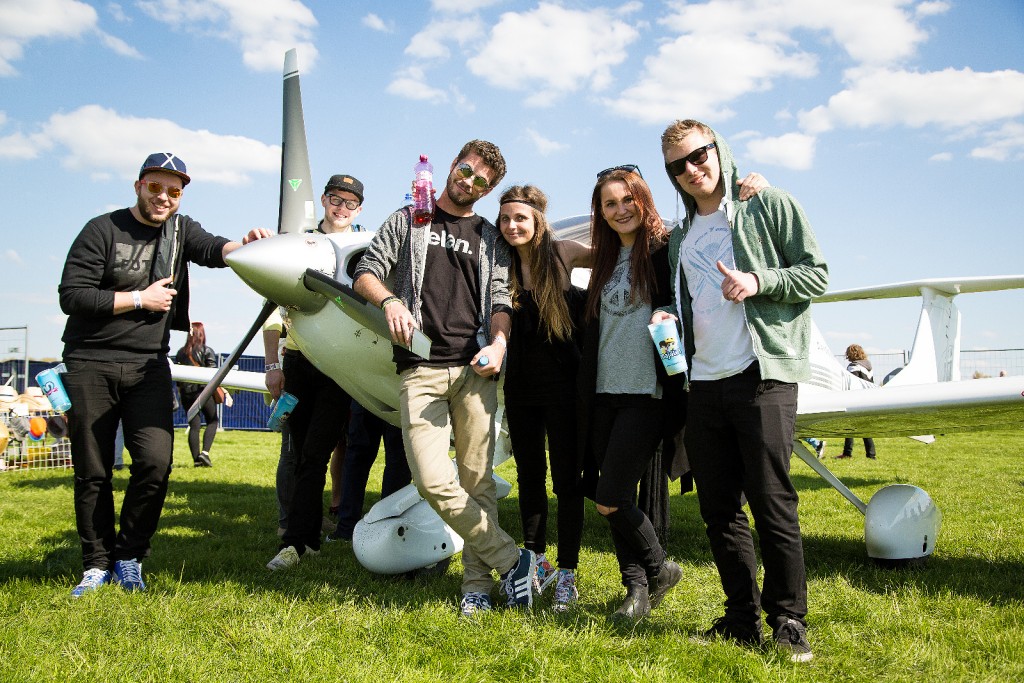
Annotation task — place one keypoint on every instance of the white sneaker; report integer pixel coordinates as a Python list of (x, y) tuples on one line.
[(286, 559)]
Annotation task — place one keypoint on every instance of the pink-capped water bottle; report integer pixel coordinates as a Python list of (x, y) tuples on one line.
[(423, 192)]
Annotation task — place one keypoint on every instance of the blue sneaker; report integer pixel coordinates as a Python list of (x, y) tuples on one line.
[(473, 603), (91, 580), (517, 583), (128, 573)]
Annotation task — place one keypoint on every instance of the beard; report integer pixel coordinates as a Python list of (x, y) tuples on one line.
[(147, 212), (458, 196)]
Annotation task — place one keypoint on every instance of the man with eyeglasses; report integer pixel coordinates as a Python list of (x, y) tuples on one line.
[(743, 276), (124, 288), (450, 280), (314, 436)]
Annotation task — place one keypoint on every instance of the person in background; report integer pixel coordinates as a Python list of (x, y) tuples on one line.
[(196, 352), (859, 366), (743, 275), (540, 382), (124, 287), (450, 280), (623, 386)]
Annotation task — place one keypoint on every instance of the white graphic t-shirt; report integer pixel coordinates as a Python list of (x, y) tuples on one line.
[(720, 333)]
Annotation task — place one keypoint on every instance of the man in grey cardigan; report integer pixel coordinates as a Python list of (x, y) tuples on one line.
[(449, 279)]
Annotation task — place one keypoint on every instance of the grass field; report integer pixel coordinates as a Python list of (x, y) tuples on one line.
[(212, 612)]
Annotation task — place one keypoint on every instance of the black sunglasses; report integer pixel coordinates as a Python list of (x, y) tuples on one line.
[(696, 158), (628, 168)]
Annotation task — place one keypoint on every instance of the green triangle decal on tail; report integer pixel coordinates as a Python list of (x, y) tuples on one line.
[(295, 182)]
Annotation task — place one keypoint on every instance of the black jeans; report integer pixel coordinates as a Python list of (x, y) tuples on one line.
[(869, 447), (527, 428), (140, 395), (626, 432), (365, 432), (739, 439), (316, 425)]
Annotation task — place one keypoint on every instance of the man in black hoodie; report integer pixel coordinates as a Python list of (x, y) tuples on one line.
[(124, 287)]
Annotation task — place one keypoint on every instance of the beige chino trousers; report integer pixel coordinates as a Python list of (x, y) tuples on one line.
[(434, 402)]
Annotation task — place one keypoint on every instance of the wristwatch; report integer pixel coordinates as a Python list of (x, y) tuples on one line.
[(272, 366)]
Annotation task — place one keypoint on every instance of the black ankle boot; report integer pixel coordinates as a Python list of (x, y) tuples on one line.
[(636, 606)]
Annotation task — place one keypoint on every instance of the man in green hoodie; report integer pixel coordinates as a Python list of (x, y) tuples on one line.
[(743, 275)]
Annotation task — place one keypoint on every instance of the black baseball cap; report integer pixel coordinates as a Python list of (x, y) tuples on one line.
[(346, 183)]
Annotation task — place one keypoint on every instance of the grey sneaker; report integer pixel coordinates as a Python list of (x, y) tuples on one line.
[(565, 590), (820, 449), (474, 603), (791, 638), (128, 573), (91, 580), (517, 583), (203, 460), (286, 558)]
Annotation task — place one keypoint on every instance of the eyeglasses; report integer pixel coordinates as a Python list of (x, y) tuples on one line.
[(335, 200), (696, 158), (464, 170), (157, 188), (627, 168)]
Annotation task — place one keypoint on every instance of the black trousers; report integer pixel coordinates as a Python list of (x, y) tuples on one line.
[(739, 439), (316, 424), (140, 395), (869, 447), (626, 432), (365, 433), (528, 426)]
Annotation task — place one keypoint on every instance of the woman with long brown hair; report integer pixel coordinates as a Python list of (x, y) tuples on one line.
[(540, 382), (196, 352), (622, 382)]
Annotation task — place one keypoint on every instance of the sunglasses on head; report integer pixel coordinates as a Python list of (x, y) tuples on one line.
[(627, 168), (335, 200), (695, 158), (464, 170), (157, 188)]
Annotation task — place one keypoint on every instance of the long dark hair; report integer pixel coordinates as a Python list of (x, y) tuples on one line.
[(606, 243), (549, 281), (196, 340)]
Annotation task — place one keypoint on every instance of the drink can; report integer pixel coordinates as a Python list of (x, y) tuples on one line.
[(282, 408), (669, 345), (50, 383)]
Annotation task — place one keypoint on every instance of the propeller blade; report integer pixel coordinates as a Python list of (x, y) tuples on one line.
[(296, 211), (208, 390)]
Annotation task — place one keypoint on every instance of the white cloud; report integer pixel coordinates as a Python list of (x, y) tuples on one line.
[(927, 9), (12, 256), (100, 142), (431, 43), (412, 84), (544, 145), (119, 46), (948, 98), (372, 21), (791, 150), (461, 6), (263, 30), (553, 51), (23, 22), (117, 12), (1005, 143), (941, 156)]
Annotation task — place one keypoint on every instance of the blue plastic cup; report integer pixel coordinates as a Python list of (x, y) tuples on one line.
[(669, 346), (49, 381), (283, 407)]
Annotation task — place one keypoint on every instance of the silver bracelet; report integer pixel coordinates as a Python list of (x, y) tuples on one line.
[(137, 299)]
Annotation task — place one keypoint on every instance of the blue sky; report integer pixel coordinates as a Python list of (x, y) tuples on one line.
[(898, 125)]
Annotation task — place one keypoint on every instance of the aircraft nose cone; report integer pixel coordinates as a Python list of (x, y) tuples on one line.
[(274, 267)]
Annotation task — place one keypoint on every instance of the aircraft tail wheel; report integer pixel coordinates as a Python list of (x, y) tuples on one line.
[(901, 526)]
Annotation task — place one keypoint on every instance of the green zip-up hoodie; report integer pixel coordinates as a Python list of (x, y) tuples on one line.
[(772, 239)]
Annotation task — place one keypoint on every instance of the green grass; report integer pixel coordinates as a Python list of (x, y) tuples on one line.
[(212, 612)]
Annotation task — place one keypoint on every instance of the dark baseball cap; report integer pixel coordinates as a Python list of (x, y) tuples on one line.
[(346, 183), (165, 161)]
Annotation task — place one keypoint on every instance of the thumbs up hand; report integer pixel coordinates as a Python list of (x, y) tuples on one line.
[(737, 285)]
